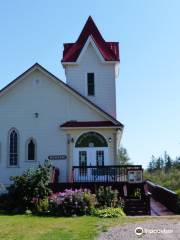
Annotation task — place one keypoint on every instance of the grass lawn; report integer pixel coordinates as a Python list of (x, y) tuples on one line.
[(22, 227)]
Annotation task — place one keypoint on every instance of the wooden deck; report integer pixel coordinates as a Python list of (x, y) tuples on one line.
[(127, 179)]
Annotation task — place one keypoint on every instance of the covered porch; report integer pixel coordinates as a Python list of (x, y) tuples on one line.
[(91, 150)]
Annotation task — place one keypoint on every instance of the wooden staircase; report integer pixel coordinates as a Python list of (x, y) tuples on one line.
[(137, 207)]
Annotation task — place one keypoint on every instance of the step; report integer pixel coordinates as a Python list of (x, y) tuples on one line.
[(137, 214), (136, 205), (136, 211), (136, 208)]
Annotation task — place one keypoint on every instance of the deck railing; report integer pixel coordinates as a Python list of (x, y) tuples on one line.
[(163, 195), (113, 173)]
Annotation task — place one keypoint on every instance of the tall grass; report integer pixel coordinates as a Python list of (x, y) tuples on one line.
[(169, 179)]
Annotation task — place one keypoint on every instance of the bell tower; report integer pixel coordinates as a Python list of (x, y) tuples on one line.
[(91, 67)]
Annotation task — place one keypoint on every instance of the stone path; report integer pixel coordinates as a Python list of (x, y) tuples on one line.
[(158, 228)]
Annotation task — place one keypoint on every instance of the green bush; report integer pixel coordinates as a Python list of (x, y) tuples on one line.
[(41, 206), (30, 188), (107, 197), (108, 212), (135, 193)]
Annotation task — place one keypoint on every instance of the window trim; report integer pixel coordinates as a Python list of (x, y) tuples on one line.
[(90, 95), (83, 170), (8, 148), (100, 153), (26, 150), (87, 134)]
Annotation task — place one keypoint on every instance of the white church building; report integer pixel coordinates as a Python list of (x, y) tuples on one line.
[(72, 123)]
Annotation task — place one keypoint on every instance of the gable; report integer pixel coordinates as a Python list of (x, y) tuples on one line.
[(39, 87), (90, 44)]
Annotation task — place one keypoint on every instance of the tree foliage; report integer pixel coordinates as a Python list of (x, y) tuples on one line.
[(164, 163), (164, 171), (122, 156)]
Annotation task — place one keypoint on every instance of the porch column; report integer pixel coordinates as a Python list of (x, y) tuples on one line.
[(115, 148), (69, 157)]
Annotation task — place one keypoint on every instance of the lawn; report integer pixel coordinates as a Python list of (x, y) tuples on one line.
[(23, 227)]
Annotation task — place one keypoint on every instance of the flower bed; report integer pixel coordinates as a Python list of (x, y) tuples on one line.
[(72, 202)]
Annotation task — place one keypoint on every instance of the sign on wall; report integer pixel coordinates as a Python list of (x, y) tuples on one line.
[(57, 157)]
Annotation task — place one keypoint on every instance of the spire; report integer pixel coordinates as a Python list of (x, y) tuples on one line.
[(109, 50), (89, 29)]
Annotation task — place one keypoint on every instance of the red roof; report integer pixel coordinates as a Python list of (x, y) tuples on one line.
[(109, 50), (75, 124)]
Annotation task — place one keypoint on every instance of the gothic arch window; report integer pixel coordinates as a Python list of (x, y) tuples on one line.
[(31, 150), (91, 139), (13, 151)]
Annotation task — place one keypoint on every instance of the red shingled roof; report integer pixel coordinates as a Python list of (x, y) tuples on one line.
[(76, 124), (109, 50)]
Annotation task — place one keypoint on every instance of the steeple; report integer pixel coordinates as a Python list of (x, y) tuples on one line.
[(108, 50), (91, 67)]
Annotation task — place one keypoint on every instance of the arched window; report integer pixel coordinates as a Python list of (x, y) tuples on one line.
[(91, 139), (31, 150), (13, 147)]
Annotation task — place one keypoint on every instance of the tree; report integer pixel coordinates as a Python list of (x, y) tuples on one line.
[(159, 163), (168, 162), (176, 163), (122, 156), (152, 164)]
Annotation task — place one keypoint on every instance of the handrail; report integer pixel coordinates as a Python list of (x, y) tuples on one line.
[(107, 173), (163, 195), (115, 166)]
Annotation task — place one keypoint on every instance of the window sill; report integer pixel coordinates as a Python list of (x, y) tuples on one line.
[(17, 166), (31, 161)]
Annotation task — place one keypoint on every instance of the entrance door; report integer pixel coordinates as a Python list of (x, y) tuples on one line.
[(90, 157), (91, 149), (84, 157)]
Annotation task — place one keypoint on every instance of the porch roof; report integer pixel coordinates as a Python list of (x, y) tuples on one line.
[(77, 124)]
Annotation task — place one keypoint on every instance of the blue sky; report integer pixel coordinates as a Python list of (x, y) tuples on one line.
[(148, 88)]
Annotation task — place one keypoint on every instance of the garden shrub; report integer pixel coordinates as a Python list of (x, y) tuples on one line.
[(41, 206), (108, 212), (107, 197), (135, 193), (33, 184), (72, 202)]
